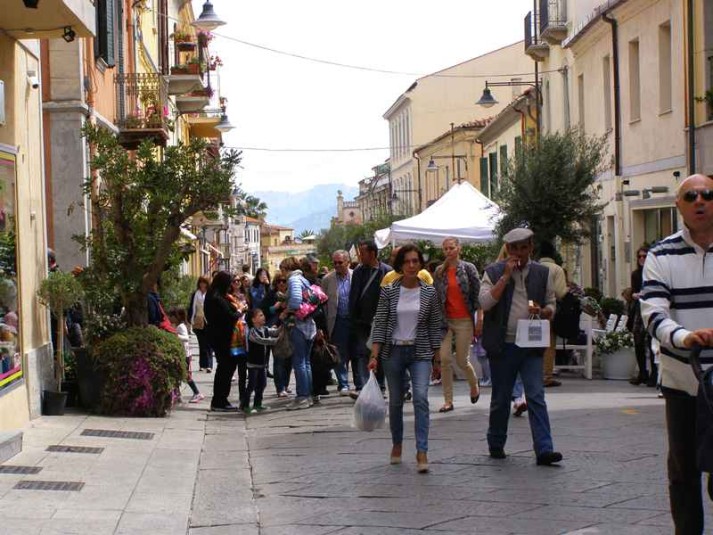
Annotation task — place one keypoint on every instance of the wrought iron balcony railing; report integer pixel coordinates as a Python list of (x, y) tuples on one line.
[(534, 47), (553, 20), (142, 108)]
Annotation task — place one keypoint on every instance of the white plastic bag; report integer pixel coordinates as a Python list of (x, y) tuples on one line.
[(370, 407)]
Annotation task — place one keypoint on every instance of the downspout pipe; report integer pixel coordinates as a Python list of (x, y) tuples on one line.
[(418, 167), (617, 91), (691, 93)]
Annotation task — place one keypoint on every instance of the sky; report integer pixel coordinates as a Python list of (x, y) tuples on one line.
[(281, 102)]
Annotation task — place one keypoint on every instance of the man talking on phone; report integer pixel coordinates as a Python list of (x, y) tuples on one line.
[(513, 289)]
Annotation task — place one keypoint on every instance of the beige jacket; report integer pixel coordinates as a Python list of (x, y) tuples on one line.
[(330, 285), (558, 280)]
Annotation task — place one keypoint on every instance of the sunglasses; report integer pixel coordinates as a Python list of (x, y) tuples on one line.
[(642, 256), (692, 195), (337, 262)]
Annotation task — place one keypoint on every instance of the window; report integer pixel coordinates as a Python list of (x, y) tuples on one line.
[(665, 67), (634, 82), (516, 89), (105, 40), (484, 184), (10, 350), (659, 223), (580, 100), (606, 79), (518, 144)]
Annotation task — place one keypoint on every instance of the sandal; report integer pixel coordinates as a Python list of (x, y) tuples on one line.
[(448, 407)]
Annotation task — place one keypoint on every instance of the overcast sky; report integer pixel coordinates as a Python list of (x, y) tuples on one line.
[(281, 102)]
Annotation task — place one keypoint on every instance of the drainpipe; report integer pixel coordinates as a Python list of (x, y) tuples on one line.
[(691, 94), (418, 167), (617, 91)]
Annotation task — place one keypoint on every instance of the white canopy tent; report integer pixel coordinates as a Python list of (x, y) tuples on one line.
[(462, 212)]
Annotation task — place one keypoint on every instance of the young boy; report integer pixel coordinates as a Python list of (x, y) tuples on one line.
[(260, 338)]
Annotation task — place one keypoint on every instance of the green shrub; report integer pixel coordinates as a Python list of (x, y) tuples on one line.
[(612, 305), (144, 367), (595, 293)]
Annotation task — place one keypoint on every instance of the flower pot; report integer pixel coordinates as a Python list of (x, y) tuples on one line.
[(53, 403), (90, 379), (70, 386), (619, 366), (185, 46)]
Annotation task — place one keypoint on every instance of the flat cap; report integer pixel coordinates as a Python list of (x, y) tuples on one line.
[(518, 234)]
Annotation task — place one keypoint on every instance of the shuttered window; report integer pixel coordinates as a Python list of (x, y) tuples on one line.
[(484, 184), (493, 160), (105, 41), (503, 160), (518, 144)]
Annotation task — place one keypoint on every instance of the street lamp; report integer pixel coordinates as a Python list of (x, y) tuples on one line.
[(208, 20), (224, 125), (487, 100)]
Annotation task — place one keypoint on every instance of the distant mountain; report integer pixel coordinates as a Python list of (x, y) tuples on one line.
[(305, 210)]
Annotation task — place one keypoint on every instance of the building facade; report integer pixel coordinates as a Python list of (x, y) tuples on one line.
[(278, 243), (375, 197), (348, 212), (26, 362), (428, 107)]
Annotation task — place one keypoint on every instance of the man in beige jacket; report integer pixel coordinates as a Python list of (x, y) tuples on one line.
[(558, 282)]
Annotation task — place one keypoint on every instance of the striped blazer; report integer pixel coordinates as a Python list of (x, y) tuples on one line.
[(428, 333), (677, 298)]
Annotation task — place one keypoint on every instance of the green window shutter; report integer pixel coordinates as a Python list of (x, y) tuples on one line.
[(493, 157), (518, 144), (503, 160), (484, 189), (106, 31)]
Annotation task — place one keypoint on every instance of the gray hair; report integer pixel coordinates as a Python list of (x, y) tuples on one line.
[(342, 253)]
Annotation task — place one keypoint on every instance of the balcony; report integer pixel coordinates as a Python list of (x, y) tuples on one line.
[(202, 124), (142, 109), (536, 49), (553, 21), (49, 19)]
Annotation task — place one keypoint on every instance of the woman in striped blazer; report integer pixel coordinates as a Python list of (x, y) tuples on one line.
[(406, 336)]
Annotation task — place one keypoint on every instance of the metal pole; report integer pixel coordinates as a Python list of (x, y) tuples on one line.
[(453, 155)]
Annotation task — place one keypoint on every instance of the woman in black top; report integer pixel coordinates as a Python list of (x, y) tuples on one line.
[(642, 340), (221, 316)]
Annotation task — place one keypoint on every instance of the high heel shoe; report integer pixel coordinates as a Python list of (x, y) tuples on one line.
[(421, 462), (395, 454), (474, 399)]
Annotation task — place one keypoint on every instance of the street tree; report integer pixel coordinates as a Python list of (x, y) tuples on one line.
[(344, 236), (550, 187), (139, 202)]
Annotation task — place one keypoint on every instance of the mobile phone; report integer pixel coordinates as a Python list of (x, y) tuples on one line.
[(531, 303)]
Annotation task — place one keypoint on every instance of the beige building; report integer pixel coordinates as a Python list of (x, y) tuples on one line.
[(374, 199), (701, 94), (278, 243), (631, 93), (348, 212), (428, 107), (25, 348)]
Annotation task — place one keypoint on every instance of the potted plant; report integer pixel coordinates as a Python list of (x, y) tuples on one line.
[(617, 352), (203, 92), (132, 121), (58, 292), (180, 69), (184, 41), (204, 38), (215, 62), (195, 66)]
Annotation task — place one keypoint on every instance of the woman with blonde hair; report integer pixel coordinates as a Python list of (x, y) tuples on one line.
[(457, 284)]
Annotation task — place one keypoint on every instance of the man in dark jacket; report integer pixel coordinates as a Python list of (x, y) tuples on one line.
[(363, 299), (512, 290)]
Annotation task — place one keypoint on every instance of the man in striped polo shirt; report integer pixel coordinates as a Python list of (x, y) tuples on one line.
[(677, 308)]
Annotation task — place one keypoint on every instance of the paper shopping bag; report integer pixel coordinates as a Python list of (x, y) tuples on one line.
[(533, 333)]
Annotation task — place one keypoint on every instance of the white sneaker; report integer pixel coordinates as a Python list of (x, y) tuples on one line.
[(344, 392), (196, 398), (298, 404), (283, 394)]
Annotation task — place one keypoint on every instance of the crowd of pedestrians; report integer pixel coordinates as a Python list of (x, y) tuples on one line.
[(406, 321)]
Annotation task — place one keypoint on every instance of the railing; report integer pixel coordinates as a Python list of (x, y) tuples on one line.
[(552, 13), (530, 30), (141, 101)]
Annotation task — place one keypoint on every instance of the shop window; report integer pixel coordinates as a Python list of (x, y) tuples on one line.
[(10, 353)]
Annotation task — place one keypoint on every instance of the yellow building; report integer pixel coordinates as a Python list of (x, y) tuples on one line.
[(699, 58), (278, 243), (428, 107), (25, 348)]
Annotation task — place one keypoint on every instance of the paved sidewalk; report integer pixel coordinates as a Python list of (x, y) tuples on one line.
[(309, 472)]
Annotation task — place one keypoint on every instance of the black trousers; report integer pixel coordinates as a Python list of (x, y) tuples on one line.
[(223, 375), (205, 359), (257, 379), (242, 365), (684, 478), (641, 343)]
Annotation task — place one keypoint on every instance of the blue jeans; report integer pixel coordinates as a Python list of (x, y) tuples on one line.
[(504, 369), (403, 360), (301, 349), (281, 373), (340, 338), (518, 389)]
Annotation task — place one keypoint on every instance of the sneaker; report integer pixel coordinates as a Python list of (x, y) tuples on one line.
[(225, 408), (247, 411), (343, 392), (315, 401), (283, 394), (435, 382), (497, 453), (260, 408), (196, 398), (324, 392), (288, 390), (298, 404), (485, 382)]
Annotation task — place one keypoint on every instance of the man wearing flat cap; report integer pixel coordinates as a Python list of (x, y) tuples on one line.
[(514, 289)]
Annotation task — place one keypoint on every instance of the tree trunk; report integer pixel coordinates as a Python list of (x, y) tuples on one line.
[(137, 311)]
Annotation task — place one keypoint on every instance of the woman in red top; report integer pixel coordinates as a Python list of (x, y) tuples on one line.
[(457, 284)]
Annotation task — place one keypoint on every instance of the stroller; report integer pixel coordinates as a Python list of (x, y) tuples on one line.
[(704, 417)]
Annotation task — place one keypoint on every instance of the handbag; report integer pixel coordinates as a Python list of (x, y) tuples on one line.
[(325, 355), (199, 318), (283, 347), (312, 297), (533, 333)]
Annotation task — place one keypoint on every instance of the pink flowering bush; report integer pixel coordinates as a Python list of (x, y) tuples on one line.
[(144, 367)]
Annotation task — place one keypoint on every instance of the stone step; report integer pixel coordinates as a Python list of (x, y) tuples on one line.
[(10, 444)]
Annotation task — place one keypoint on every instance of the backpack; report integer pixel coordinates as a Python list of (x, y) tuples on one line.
[(566, 321)]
